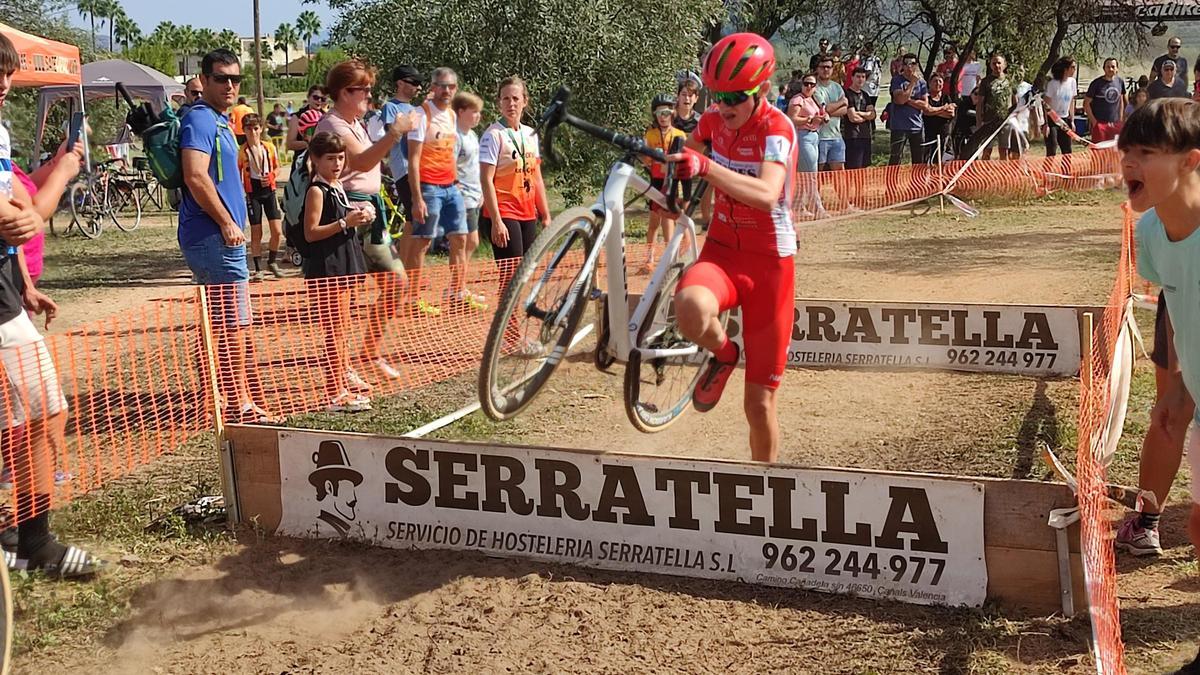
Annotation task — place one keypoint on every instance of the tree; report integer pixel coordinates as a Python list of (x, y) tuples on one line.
[(206, 41), (228, 39), (308, 24), (184, 45), (603, 49), (126, 31), (286, 35), (158, 56), (108, 11), (88, 8)]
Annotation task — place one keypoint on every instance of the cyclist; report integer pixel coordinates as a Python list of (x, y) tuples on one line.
[(747, 259)]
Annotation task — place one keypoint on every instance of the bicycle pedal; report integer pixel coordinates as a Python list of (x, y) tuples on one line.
[(596, 294)]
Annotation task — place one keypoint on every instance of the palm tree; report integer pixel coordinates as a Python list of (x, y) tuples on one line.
[(184, 44), (126, 31), (230, 40), (206, 41), (308, 24), (286, 36), (88, 8), (109, 10)]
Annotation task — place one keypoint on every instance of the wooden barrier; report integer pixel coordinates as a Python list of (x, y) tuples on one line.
[(276, 471)]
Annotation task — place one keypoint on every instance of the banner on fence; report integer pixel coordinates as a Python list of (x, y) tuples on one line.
[(1016, 339), (904, 537)]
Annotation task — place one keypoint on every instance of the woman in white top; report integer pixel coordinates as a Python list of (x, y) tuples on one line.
[(968, 77), (1060, 98)]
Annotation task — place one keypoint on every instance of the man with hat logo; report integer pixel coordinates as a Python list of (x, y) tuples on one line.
[(335, 479)]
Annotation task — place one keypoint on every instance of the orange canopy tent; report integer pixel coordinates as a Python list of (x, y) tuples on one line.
[(43, 61)]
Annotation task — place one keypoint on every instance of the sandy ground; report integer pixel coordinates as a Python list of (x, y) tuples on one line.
[(284, 606)]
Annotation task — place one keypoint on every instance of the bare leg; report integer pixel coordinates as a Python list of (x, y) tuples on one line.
[(276, 235), (764, 422), (256, 232), (698, 312), (651, 232), (458, 262), (1161, 453)]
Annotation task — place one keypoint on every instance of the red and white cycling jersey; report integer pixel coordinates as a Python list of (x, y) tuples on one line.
[(768, 136)]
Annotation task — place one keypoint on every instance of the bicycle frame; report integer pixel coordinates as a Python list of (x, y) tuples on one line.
[(611, 239)]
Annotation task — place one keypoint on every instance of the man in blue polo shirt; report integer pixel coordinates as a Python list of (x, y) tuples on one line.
[(909, 103), (212, 221)]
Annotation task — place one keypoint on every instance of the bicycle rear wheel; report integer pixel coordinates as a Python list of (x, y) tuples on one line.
[(125, 208), (537, 316), (85, 211), (659, 390)]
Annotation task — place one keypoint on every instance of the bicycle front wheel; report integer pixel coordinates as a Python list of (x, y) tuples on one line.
[(537, 316), (659, 389)]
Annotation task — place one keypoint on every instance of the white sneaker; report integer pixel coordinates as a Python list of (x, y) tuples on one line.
[(347, 402), (356, 384), (386, 368)]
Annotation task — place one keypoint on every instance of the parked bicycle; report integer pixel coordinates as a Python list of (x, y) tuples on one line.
[(103, 195), (544, 302)]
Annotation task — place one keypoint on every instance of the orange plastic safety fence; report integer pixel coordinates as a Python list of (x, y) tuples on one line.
[(93, 404), (85, 407), (841, 193), (1096, 528)]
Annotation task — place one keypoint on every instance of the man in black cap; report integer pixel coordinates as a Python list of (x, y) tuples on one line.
[(335, 480), (408, 81)]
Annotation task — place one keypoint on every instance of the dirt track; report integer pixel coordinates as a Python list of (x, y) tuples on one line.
[(279, 605)]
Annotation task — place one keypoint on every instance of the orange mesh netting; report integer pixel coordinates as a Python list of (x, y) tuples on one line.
[(1096, 400), (845, 193)]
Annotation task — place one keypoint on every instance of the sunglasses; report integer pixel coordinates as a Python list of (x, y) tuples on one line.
[(222, 78), (318, 99), (195, 93), (910, 63), (1173, 46), (445, 85), (732, 97), (664, 113), (809, 84)]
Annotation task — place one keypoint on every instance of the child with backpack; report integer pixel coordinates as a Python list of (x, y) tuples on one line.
[(333, 256)]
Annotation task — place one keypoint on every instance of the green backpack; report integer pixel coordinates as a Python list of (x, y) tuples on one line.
[(160, 139)]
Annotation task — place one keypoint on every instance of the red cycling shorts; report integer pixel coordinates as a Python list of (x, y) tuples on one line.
[(764, 287)]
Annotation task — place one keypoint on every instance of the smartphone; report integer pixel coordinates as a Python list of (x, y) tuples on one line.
[(74, 129)]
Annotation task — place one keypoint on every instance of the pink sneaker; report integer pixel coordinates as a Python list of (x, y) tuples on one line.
[(1136, 540)]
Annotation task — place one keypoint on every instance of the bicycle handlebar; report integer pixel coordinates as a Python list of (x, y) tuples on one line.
[(556, 114)]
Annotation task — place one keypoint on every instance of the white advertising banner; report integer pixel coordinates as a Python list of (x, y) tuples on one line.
[(1015, 339), (903, 537)]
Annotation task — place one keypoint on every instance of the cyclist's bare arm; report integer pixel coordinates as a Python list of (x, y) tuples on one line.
[(760, 192)]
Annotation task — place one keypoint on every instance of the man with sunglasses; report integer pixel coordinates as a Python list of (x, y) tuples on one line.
[(1174, 47), (747, 259), (831, 151), (407, 81), (822, 52), (317, 100), (437, 203), (212, 221)]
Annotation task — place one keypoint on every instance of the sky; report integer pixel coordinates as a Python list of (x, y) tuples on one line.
[(216, 14)]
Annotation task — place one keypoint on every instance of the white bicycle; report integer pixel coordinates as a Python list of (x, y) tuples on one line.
[(543, 304)]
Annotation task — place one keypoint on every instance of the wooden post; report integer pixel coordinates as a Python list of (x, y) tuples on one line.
[(228, 484), (258, 74)]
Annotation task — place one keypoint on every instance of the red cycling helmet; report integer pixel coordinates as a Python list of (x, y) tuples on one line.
[(308, 120), (739, 62)]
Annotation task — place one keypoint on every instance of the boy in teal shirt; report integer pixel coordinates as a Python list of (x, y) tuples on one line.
[(1160, 161)]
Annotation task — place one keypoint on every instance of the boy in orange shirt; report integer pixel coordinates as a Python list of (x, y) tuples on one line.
[(661, 134), (258, 163)]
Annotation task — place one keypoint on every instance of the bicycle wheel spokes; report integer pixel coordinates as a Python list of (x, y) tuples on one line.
[(537, 316), (85, 209), (659, 388)]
